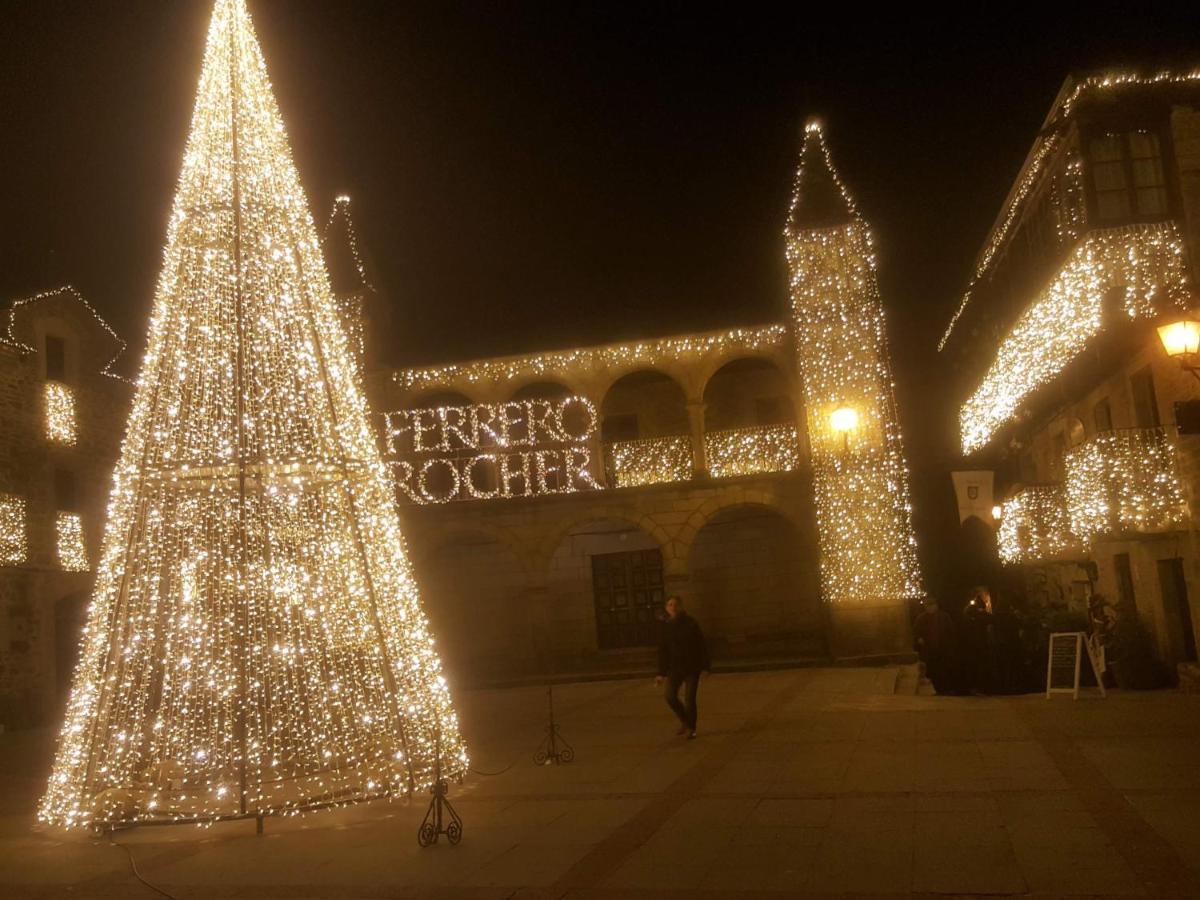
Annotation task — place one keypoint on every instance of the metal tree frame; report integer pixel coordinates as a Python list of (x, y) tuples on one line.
[(435, 824), (551, 751)]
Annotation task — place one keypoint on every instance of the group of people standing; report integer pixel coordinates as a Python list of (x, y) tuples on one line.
[(979, 653)]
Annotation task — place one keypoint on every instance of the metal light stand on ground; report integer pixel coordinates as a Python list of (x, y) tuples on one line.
[(551, 751), (434, 824)]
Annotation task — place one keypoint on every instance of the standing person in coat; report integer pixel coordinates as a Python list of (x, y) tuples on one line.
[(937, 644), (682, 656)]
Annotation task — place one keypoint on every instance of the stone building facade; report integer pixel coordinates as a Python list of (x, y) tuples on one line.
[(1068, 396), (62, 414), (527, 586)]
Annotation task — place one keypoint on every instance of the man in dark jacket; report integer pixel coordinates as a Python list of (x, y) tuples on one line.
[(937, 644), (682, 656)]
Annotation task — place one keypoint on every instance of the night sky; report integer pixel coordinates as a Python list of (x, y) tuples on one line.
[(530, 176)]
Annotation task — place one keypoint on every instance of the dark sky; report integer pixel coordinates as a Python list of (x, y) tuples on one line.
[(529, 176)]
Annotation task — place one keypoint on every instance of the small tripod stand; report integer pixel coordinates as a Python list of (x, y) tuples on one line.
[(550, 751), (434, 823)]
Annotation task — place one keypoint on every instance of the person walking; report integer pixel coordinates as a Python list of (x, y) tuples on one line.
[(682, 656), (937, 645)]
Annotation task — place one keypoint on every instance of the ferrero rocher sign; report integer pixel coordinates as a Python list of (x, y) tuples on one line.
[(522, 448)]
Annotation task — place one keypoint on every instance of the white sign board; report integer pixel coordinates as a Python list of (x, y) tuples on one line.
[(1064, 660)]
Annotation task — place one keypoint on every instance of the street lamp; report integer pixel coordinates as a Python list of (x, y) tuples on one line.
[(844, 420), (1181, 341)]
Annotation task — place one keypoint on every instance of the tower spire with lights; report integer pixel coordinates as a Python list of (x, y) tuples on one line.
[(868, 550)]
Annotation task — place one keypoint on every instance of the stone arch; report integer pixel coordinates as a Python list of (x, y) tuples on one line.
[(626, 515), (656, 400), (474, 588), (544, 389), (70, 617), (605, 588), (755, 582), (747, 392)]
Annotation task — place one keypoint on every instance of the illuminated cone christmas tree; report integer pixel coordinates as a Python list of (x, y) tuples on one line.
[(868, 550), (255, 642)]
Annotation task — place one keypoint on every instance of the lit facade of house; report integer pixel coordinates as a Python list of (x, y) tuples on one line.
[(62, 414), (1066, 393)]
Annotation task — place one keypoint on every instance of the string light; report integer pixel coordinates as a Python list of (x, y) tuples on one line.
[(864, 515), (72, 555), (350, 305), (255, 643), (1123, 480), (556, 431), (1045, 151), (1034, 525), (1146, 261), (751, 451), (60, 413), (14, 543), (642, 353), (656, 460), (11, 338)]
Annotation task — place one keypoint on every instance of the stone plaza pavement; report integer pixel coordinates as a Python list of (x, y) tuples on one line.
[(821, 781)]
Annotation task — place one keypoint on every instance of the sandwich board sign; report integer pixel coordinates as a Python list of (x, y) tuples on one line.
[(1065, 658)]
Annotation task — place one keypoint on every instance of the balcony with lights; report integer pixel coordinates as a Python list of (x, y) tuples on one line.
[(752, 451), (1124, 481), (1035, 526)]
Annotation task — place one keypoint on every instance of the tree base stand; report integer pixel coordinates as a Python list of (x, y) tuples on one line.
[(440, 818), (555, 750)]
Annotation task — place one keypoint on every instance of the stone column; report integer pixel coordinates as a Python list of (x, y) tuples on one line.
[(695, 410)]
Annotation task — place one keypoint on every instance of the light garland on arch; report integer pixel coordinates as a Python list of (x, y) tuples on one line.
[(14, 540), (645, 461), (864, 514), (1034, 526), (255, 642), (647, 353), (1146, 260), (751, 451), (59, 402), (72, 554), (1125, 480)]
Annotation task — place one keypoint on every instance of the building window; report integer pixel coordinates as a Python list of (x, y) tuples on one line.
[(628, 592), (72, 555), (622, 427), (56, 358), (1145, 400), (770, 411), (1102, 415), (60, 413), (1124, 573), (65, 497), (14, 546), (1128, 177)]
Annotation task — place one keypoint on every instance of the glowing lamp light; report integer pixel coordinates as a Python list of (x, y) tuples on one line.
[(844, 419), (1180, 338), (997, 513)]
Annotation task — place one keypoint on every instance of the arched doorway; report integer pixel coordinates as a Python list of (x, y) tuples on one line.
[(605, 587), (756, 584), (473, 589), (70, 617)]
